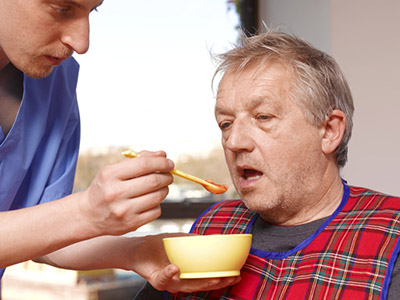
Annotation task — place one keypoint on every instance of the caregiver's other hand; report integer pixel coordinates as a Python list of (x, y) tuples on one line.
[(151, 262)]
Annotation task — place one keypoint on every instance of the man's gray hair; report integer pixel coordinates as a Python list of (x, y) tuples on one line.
[(319, 85)]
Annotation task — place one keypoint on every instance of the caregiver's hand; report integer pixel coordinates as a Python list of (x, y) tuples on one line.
[(126, 195), (151, 262)]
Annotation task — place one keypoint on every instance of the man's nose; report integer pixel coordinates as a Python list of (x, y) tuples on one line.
[(77, 35), (239, 137)]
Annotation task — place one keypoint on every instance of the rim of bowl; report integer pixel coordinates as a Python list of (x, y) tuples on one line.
[(207, 236)]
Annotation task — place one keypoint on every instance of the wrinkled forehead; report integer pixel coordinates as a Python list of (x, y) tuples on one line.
[(254, 85), (266, 76)]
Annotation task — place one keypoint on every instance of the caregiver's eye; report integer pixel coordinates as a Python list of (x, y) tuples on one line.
[(61, 10)]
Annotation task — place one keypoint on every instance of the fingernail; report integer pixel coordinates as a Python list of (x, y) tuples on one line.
[(171, 164), (172, 270), (214, 282)]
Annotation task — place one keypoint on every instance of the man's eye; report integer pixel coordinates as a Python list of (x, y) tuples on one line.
[(224, 125), (263, 117)]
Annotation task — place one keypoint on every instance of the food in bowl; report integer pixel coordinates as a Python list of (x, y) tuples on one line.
[(207, 256)]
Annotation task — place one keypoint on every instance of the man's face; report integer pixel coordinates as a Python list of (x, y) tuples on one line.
[(273, 153), (36, 35)]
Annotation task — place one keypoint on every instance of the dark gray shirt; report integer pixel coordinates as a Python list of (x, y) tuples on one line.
[(271, 238)]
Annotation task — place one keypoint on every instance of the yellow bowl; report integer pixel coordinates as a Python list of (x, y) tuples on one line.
[(207, 256)]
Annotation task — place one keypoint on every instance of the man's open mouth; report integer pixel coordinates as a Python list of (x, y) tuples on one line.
[(251, 174)]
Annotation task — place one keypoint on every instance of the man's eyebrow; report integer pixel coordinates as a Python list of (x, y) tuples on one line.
[(252, 103), (219, 111)]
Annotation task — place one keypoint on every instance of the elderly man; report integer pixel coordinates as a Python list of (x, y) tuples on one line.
[(285, 112)]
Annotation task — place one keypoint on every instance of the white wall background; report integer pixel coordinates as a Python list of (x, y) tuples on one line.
[(363, 36)]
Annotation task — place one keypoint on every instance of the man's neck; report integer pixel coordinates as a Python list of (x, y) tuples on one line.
[(308, 211)]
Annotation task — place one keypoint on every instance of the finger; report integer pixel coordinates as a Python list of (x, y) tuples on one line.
[(152, 153), (143, 203), (146, 184), (147, 217), (132, 168), (164, 278), (193, 285), (225, 281), (127, 219)]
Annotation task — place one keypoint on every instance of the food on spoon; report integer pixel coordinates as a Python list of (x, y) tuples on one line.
[(215, 188)]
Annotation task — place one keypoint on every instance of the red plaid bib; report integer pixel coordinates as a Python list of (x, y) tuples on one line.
[(351, 256)]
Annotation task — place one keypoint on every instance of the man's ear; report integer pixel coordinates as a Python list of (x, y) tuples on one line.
[(332, 131)]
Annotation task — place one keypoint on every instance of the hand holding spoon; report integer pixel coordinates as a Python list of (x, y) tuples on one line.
[(208, 184)]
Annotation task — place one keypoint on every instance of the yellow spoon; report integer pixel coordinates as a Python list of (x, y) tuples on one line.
[(208, 185)]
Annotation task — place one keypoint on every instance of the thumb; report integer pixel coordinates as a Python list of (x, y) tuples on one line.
[(165, 276)]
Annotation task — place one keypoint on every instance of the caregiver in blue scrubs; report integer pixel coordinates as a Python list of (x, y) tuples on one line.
[(39, 142)]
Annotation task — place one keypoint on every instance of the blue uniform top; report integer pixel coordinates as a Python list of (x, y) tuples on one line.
[(38, 156)]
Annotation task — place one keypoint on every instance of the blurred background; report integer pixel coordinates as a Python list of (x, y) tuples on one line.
[(146, 84)]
